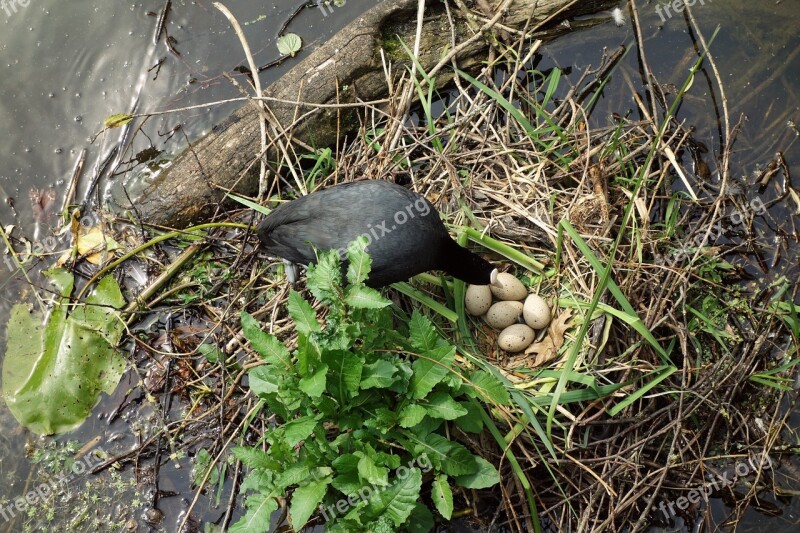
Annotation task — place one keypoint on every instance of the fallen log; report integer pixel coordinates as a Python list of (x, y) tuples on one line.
[(347, 68)]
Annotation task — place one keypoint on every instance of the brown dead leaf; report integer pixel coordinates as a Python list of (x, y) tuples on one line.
[(543, 351), (598, 179)]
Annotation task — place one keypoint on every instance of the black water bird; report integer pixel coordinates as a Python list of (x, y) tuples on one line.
[(403, 229)]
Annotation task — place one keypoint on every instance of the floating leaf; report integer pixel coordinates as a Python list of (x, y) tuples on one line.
[(289, 44), (117, 121), (53, 372)]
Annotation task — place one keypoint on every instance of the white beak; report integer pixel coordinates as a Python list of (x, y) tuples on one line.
[(493, 278)]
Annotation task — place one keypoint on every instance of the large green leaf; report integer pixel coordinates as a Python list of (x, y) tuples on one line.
[(55, 369), (442, 405), (365, 298), (259, 512), (270, 348), (486, 476), (303, 314), (442, 496), (299, 429), (379, 375), (371, 473), (430, 368), (305, 501), (344, 373), (421, 519), (359, 263), (411, 415), (398, 500), (314, 385), (422, 333), (324, 279), (487, 388)]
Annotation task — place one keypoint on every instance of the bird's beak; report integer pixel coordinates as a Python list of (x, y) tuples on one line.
[(493, 279)]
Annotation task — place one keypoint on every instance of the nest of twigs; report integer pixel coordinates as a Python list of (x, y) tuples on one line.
[(660, 376)]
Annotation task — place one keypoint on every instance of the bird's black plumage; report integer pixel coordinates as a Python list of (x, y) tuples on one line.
[(405, 234)]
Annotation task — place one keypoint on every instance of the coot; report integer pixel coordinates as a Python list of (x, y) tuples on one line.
[(404, 232)]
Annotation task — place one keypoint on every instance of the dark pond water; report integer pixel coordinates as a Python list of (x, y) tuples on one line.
[(68, 65)]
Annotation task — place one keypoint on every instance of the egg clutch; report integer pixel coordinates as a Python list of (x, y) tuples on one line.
[(514, 304)]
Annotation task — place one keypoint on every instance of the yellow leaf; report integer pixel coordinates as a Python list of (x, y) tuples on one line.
[(93, 244), (116, 121)]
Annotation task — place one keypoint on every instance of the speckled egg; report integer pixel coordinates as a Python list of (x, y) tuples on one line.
[(515, 338), (508, 288), (477, 299), (536, 312), (503, 314)]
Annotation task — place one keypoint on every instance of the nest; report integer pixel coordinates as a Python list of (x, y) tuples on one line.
[(660, 376)]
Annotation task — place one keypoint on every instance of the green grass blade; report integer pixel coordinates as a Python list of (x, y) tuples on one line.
[(661, 374), (505, 250), (515, 112), (515, 466), (425, 300), (249, 203), (633, 318)]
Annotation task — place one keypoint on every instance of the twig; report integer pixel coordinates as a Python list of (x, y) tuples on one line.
[(162, 21), (262, 178), (73, 183), (724, 143)]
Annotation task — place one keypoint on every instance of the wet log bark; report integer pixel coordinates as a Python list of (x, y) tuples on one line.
[(346, 67)]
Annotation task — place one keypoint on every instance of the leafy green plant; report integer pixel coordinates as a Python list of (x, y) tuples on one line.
[(362, 409)]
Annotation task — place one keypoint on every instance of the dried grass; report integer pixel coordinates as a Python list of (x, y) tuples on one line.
[(482, 167)]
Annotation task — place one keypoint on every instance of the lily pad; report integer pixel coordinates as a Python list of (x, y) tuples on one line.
[(55, 369), (289, 44)]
